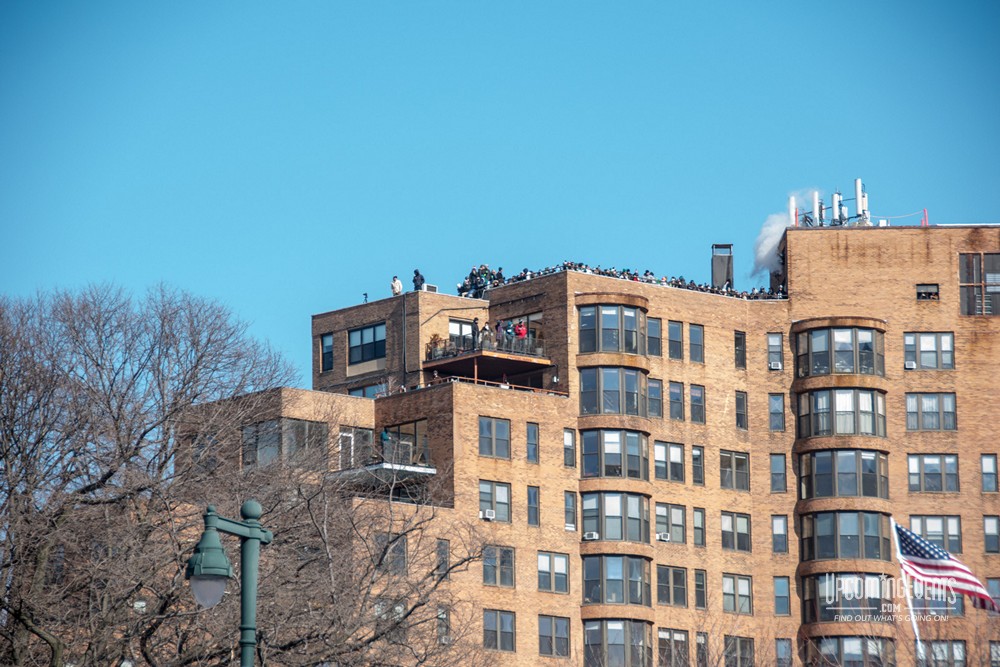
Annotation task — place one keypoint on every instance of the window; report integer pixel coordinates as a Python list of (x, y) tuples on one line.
[(700, 590), (991, 534), (405, 443), (389, 620), (677, 401), (569, 505), (569, 448), (553, 572), (923, 351), (532, 439), (827, 535), (671, 585), (701, 649), (368, 391), (613, 391), (778, 473), (654, 335), (841, 412), (776, 412), (839, 596), (609, 453), (532, 505), (498, 566), (553, 636), (326, 352), (737, 594), (443, 550), (775, 358), (616, 580), (779, 534), (498, 629), (933, 473), (936, 600), (734, 470), (655, 405), (736, 531), (740, 342), (979, 283), (616, 517), (942, 653), (672, 648), (854, 651), (782, 597), (696, 349), (930, 412), (390, 553), (461, 334), (612, 329), (841, 350), (783, 653), (993, 588), (675, 468), (928, 292), (617, 643), (943, 531), (355, 447), (741, 410), (675, 335), (495, 496), (443, 625), (837, 473), (670, 520), (660, 460), (494, 437), (697, 404), (698, 524), (989, 467), (698, 465), (366, 343), (739, 651), (284, 439)]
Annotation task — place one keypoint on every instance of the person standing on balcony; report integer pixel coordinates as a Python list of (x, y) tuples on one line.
[(418, 280), (397, 286)]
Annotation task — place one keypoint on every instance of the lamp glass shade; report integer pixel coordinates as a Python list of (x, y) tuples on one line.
[(208, 589)]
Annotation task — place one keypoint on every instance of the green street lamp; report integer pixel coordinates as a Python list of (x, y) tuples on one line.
[(208, 569)]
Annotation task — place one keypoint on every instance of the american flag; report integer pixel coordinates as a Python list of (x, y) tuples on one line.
[(934, 566)]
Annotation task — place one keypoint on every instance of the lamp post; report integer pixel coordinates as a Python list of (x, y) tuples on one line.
[(208, 569)]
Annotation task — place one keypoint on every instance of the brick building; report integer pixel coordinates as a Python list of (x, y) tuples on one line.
[(672, 474)]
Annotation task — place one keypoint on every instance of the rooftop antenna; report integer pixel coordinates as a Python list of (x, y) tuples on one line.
[(817, 211), (793, 213)]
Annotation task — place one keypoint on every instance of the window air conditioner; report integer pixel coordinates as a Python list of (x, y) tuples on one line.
[(910, 365), (570, 526), (775, 365), (487, 515), (591, 536), (663, 537)]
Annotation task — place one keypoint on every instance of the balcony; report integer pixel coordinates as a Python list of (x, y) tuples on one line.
[(491, 361), (391, 460)]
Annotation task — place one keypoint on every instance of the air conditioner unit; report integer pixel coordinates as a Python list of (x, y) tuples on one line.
[(570, 526), (487, 515), (446, 639), (775, 365), (663, 537), (591, 536), (910, 365)]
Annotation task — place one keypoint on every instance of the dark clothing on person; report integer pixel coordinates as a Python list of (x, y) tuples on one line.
[(418, 280)]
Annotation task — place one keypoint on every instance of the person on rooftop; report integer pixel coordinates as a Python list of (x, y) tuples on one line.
[(397, 286)]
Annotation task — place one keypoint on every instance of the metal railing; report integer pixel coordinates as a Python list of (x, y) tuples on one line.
[(402, 450), (465, 345)]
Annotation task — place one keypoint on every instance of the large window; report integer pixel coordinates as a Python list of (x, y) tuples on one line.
[(462, 334), (617, 643), (609, 453), (930, 412), (498, 566), (923, 351), (284, 439), (494, 497), (775, 351), (326, 352), (783, 653), (366, 343), (390, 553), (979, 278), (670, 522), (671, 585), (828, 535), (553, 572), (672, 648), (853, 651), (845, 350), (494, 437), (827, 596), (696, 345), (553, 636), (933, 473), (498, 630), (736, 531), (669, 460), (843, 472), (616, 580), (942, 652), (612, 391), (734, 470), (616, 517), (739, 651), (943, 531), (355, 447), (841, 412), (612, 329), (737, 594)]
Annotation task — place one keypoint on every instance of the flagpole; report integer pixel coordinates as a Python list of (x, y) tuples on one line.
[(906, 586)]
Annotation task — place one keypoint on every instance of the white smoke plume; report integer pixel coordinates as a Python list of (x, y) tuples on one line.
[(765, 249)]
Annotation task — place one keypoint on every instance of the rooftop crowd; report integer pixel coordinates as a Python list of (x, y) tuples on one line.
[(482, 278)]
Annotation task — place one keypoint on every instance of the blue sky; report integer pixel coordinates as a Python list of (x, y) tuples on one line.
[(284, 158)]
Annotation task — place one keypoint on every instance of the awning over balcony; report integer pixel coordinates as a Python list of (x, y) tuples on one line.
[(487, 364)]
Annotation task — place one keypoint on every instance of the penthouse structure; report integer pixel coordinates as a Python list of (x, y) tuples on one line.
[(670, 477)]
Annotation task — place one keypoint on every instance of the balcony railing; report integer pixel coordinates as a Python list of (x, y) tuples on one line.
[(402, 451), (458, 346)]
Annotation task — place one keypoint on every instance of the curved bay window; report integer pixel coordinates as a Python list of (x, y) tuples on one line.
[(612, 329), (612, 391), (617, 643), (616, 580), (843, 595), (841, 412), (615, 454), (852, 651), (616, 517), (840, 350), (843, 472), (831, 535)]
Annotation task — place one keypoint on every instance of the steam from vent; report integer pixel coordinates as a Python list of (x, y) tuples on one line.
[(765, 249)]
